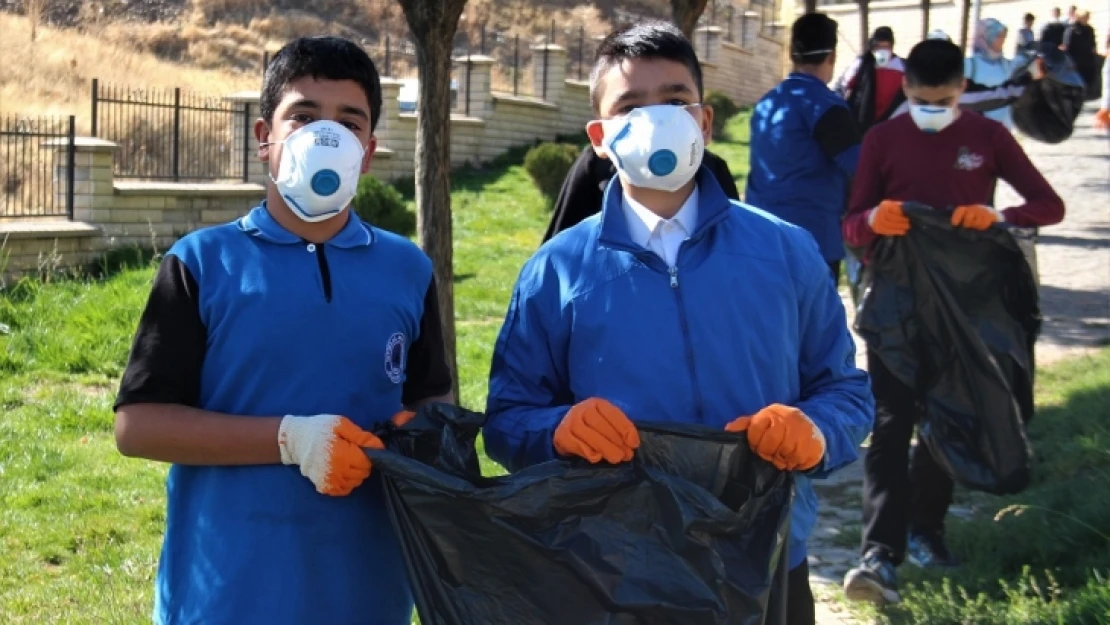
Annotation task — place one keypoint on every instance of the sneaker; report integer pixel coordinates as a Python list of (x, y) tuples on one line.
[(874, 580), (928, 550)]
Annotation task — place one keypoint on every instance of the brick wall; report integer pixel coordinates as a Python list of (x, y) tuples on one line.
[(745, 67)]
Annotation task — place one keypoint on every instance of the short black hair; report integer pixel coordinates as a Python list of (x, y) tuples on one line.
[(649, 39), (329, 58), (884, 34), (1030, 18), (812, 39), (934, 63)]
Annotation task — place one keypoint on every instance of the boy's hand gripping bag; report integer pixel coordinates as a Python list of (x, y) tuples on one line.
[(952, 313), (688, 533)]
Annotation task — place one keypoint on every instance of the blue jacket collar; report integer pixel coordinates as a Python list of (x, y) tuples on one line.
[(260, 223), (806, 77), (713, 205)]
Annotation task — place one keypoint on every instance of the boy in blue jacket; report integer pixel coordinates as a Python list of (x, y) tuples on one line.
[(676, 304)]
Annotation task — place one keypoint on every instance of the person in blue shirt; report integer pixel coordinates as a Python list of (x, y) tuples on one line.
[(676, 304), (268, 348), (804, 142)]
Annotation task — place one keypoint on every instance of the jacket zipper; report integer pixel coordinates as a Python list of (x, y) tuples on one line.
[(325, 271), (689, 344)]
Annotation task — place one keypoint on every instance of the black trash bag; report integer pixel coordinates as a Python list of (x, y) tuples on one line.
[(690, 532), (953, 313), (1048, 108)]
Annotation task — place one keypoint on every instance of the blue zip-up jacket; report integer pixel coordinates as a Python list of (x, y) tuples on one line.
[(804, 150), (747, 318)]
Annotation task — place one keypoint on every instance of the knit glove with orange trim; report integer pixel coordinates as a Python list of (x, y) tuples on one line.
[(783, 436), (597, 430), (975, 217), (329, 451), (1102, 118), (888, 219)]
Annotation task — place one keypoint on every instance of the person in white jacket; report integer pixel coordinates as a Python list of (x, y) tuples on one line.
[(988, 66)]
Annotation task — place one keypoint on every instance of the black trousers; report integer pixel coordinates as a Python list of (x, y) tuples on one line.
[(900, 493), (799, 597)]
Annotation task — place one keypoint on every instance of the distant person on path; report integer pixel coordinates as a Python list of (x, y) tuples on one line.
[(872, 83), (942, 158), (676, 304), (584, 188), (1082, 47), (257, 336), (804, 142), (1054, 29), (1026, 38), (988, 66)]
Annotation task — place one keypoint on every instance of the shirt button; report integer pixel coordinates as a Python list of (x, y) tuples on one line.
[(311, 247)]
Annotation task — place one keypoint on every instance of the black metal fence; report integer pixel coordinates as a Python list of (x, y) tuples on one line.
[(171, 134), (36, 173)]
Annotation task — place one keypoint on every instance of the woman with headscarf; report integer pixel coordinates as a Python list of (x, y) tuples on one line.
[(987, 65)]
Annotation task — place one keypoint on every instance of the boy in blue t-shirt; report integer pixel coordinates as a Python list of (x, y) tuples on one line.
[(257, 336)]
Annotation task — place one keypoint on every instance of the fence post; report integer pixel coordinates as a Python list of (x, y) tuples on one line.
[(469, 65), (176, 133), (581, 50), (516, 65), (246, 140), (95, 93), (731, 19), (265, 61), (550, 42), (71, 164), (388, 68), (482, 44)]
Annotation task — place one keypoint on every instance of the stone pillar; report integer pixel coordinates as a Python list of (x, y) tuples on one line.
[(93, 190), (556, 74), (244, 142), (475, 76), (707, 44)]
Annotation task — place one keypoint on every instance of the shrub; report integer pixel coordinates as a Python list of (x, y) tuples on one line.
[(723, 110), (548, 164), (379, 204)]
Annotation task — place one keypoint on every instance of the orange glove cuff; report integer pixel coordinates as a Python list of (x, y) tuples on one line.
[(329, 451), (974, 217), (783, 436), (597, 430)]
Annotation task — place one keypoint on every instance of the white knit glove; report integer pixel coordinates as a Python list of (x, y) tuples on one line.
[(328, 449)]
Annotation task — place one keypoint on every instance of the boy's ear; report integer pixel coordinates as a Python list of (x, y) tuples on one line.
[(369, 155), (262, 133), (596, 132), (706, 123)]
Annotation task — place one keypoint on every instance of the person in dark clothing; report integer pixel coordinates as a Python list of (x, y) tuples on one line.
[(941, 157), (1081, 46), (584, 187)]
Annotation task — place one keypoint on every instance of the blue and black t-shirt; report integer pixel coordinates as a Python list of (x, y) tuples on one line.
[(249, 319)]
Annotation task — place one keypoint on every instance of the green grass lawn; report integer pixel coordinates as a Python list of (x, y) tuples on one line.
[(80, 526)]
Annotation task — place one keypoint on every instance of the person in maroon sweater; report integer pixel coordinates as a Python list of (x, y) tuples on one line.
[(941, 157)]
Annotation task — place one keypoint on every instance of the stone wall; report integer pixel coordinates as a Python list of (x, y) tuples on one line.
[(905, 18)]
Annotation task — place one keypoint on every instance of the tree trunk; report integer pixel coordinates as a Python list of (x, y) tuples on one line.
[(925, 5), (433, 24), (685, 14), (811, 6), (965, 21), (864, 27)]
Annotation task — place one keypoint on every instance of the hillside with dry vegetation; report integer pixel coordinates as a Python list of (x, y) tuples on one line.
[(53, 48)]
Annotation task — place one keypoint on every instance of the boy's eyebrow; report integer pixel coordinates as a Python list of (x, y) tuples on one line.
[(637, 94), (305, 103)]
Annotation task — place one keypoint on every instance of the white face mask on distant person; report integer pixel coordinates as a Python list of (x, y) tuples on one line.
[(932, 118), (655, 147), (319, 169), (882, 57)]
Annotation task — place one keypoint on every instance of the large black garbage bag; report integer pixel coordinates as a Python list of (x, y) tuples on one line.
[(1048, 108), (952, 313), (688, 533)]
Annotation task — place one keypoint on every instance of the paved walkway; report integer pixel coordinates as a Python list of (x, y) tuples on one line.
[(1074, 260)]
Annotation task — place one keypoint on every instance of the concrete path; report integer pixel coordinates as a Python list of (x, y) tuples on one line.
[(1074, 265)]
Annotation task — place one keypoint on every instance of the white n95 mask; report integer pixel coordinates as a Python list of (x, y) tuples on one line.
[(932, 118), (882, 57), (655, 147), (319, 169)]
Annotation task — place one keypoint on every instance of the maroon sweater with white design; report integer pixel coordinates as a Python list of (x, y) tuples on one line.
[(956, 166)]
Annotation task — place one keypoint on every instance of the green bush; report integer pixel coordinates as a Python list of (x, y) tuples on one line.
[(723, 110), (381, 205), (548, 164)]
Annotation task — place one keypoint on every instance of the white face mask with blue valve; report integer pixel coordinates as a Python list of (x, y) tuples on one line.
[(655, 147), (319, 169)]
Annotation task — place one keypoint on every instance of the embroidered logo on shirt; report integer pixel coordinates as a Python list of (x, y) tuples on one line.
[(968, 161), (395, 357)]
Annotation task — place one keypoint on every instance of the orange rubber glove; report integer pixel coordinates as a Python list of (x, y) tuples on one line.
[(975, 217), (888, 219), (329, 451), (783, 436), (403, 417), (1102, 118), (597, 430)]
